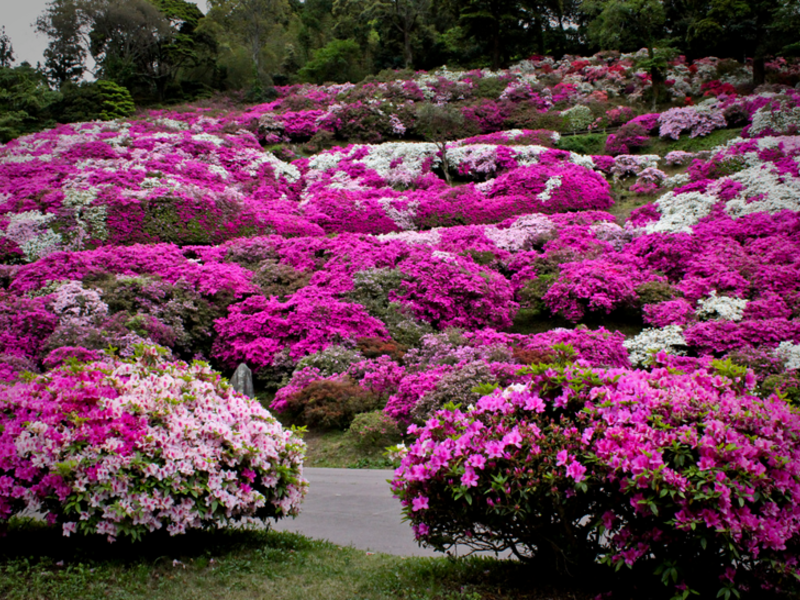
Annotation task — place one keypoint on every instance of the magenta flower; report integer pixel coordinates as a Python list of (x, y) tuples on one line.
[(419, 503), (576, 470)]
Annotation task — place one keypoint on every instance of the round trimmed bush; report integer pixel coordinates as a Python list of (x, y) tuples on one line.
[(122, 447), (681, 471)]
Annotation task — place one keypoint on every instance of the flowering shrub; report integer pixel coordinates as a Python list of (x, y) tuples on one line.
[(374, 430), (698, 121), (124, 447), (265, 332), (679, 470)]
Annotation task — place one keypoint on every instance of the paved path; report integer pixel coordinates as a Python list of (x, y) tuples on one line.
[(354, 506)]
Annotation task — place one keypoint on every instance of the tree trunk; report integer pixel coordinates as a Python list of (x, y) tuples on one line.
[(539, 36), (445, 165), (496, 50), (407, 55), (657, 78), (759, 71)]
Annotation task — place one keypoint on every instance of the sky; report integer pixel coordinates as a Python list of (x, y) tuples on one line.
[(18, 17)]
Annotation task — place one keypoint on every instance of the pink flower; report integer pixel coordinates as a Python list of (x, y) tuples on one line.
[(561, 458), (469, 478), (419, 503), (494, 449), (576, 471)]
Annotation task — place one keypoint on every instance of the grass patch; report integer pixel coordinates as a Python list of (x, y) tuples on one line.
[(716, 138), (336, 449), (626, 201), (39, 563), (587, 143)]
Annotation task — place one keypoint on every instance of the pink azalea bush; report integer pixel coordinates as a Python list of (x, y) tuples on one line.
[(122, 447), (680, 467)]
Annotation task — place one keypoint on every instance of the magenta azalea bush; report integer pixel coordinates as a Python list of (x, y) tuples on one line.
[(680, 469), (122, 447)]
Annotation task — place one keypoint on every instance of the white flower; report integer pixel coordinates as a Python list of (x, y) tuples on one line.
[(790, 354), (680, 212), (651, 340), (722, 308)]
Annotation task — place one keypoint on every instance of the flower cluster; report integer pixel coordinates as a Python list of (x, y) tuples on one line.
[(679, 466), (125, 447)]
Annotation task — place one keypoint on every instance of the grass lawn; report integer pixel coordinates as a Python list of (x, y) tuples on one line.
[(38, 563), (336, 449)]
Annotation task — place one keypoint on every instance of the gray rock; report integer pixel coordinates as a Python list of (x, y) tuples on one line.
[(242, 381)]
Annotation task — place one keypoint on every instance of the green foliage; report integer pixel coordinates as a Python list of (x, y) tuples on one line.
[(338, 61), (625, 25), (374, 430), (654, 292), (588, 143), (116, 100), (331, 361), (25, 101), (371, 289), (330, 404), (6, 49)]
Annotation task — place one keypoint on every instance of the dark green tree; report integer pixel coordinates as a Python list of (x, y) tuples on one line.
[(64, 23), (338, 61), (496, 24), (406, 18), (25, 101), (250, 24), (439, 124), (629, 25), (754, 28), (6, 50)]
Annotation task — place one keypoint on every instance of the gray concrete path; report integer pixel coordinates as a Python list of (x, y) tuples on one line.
[(354, 507)]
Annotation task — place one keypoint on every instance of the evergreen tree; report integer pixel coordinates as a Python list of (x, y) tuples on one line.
[(65, 56), (6, 50)]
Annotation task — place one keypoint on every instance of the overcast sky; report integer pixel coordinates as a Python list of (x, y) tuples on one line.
[(18, 17)]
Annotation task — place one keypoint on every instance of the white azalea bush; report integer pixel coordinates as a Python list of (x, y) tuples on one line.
[(652, 340), (125, 447)]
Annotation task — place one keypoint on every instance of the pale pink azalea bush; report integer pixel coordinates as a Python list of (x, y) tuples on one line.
[(681, 467), (697, 121), (123, 447)]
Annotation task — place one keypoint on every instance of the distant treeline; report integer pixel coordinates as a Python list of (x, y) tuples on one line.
[(164, 51)]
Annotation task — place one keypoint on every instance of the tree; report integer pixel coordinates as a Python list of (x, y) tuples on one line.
[(405, 16), (65, 56), (553, 23), (496, 22), (6, 51), (25, 101), (145, 45), (629, 25), (124, 37), (757, 28), (438, 124), (337, 61), (250, 22)]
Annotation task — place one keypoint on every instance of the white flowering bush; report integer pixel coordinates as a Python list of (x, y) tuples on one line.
[(680, 212), (721, 307), (653, 340), (790, 354), (577, 118), (125, 447), (778, 117)]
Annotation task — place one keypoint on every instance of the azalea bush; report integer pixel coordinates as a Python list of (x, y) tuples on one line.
[(680, 470), (123, 447)]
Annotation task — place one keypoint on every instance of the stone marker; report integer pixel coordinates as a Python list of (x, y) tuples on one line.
[(242, 381)]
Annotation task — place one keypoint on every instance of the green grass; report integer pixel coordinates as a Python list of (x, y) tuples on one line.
[(38, 563), (586, 143), (336, 449), (685, 143)]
